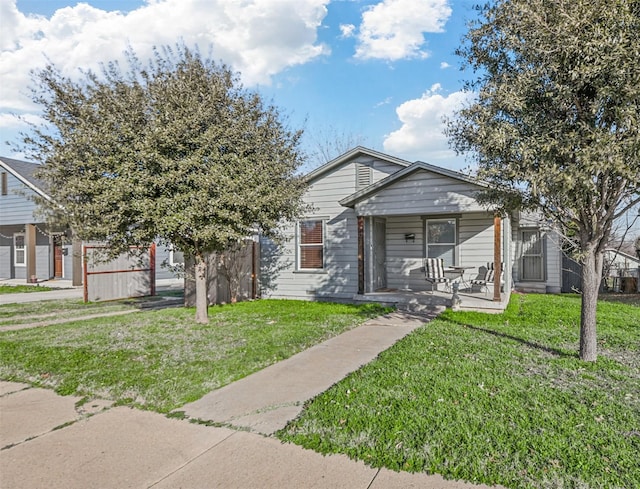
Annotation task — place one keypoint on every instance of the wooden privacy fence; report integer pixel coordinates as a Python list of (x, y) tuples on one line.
[(128, 275), (231, 276)]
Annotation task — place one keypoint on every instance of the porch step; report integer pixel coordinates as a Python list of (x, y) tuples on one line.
[(416, 303)]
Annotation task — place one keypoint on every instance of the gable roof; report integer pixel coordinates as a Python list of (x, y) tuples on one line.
[(352, 199), (25, 172), (352, 153), (622, 254)]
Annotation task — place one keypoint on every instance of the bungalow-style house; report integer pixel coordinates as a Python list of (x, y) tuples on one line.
[(375, 218), (29, 250)]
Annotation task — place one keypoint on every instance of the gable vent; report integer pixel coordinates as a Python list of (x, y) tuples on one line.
[(363, 176)]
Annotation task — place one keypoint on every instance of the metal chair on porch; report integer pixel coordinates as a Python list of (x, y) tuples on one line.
[(487, 278), (434, 273)]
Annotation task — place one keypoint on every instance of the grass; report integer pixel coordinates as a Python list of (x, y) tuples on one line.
[(494, 399), (35, 312), (631, 299), (160, 360), (17, 289), (49, 310)]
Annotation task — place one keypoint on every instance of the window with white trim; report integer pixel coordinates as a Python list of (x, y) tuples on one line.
[(311, 245), (176, 257), (19, 251), (441, 239)]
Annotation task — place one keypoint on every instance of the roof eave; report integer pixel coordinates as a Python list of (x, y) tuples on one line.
[(25, 180), (352, 153), (353, 199)]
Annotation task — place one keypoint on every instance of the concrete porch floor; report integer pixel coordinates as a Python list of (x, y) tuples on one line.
[(416, 301)]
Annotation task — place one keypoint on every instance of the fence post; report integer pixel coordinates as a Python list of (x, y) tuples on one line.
[(152, 268), (85, 274)]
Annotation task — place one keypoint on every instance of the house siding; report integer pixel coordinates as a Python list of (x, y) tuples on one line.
[(6, 255), (15, 207), (405, 260), (339, 279), (421, 193)]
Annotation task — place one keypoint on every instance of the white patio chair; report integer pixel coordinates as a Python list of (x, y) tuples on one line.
[(487, 278), (434, 273)]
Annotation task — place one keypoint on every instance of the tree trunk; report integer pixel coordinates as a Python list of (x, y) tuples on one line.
[(591, 278), (202, 303)]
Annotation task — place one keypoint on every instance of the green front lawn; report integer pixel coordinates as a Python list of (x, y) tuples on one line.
[(17, 289), (160, 360), (497, 399)]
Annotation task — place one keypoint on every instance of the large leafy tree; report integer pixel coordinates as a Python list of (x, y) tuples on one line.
[(174, 148), (555, 125)]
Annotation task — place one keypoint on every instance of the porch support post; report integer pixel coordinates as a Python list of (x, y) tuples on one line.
[(360, 255), (497, 261), (30, 252)]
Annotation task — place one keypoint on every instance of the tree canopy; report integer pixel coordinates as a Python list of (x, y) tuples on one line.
[(174, 149), (555, 126)]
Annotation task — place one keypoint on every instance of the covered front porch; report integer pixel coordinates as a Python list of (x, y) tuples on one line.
[(428, 212), (392, 251)]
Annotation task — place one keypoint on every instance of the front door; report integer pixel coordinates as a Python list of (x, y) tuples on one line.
[(379, 254), (57, 256), (532, 261)]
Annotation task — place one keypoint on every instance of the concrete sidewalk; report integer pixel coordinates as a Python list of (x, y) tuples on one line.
[(56, 442), (64, 290)]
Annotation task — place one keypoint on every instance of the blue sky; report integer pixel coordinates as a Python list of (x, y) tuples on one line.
[(380, 73)]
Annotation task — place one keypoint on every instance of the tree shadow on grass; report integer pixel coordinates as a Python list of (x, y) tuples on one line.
[(531, 344)]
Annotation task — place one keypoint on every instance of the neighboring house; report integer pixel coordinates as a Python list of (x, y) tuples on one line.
[(28, 250), (375, 218), (31, 251), (621, 271)]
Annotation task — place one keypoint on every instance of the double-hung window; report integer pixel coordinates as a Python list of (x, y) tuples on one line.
[(311, 245), (19, 252), (441, 240)]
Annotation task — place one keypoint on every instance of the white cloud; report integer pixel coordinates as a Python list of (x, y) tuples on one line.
[(19, 122), (386, 101), (394, 29), (421, 136), (347, 30), (444, 65), (258, 38)]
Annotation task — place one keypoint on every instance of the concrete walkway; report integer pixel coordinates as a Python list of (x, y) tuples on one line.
[(265, 401), (58, 442)]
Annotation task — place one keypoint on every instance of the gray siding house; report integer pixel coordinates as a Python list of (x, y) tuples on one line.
[(375, 218), (29, 250)]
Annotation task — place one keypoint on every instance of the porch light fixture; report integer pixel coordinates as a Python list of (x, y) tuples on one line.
[(410, 238)]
